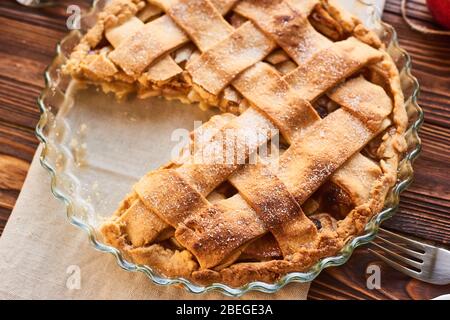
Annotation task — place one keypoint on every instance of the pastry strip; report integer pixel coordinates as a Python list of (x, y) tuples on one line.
[(141, 224), (357, 177), (267, 91), (331, 66), (163, 69), (246, 133), (153, 190), (118, 34), (216, 233), (359, 97), (288, 27), (198, 18), (275, 207), (336, 138), (223, 6), (218, 66), (154, 39)]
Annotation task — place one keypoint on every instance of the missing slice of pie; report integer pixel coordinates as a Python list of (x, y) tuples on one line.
[(305, 68)]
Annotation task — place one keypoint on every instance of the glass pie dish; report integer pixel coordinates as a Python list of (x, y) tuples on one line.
[(96, 147)]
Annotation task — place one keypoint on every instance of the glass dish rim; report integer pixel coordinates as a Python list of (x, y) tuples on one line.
[(340, 258)]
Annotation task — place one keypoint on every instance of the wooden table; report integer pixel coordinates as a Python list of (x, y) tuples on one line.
[(27, 45)]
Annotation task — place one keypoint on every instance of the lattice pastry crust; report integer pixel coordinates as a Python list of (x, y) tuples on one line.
[(303, 67)]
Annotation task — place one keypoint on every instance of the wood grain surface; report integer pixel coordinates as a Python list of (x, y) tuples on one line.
[(27, 44)]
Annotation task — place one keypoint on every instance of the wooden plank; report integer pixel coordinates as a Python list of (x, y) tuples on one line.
[(27, 45)]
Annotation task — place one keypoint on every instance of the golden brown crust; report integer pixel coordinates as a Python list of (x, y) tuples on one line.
[(202, 79)]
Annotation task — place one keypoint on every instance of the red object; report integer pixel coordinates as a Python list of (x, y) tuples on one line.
[(440, 9)]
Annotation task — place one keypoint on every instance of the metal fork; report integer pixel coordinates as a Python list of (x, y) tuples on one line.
[(418, 260)]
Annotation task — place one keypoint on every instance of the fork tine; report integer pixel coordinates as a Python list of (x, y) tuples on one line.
[(399, 257), (412, 243), (402, 249), (396, 266)]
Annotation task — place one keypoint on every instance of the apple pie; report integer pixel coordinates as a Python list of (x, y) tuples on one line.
[(304, 73)]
